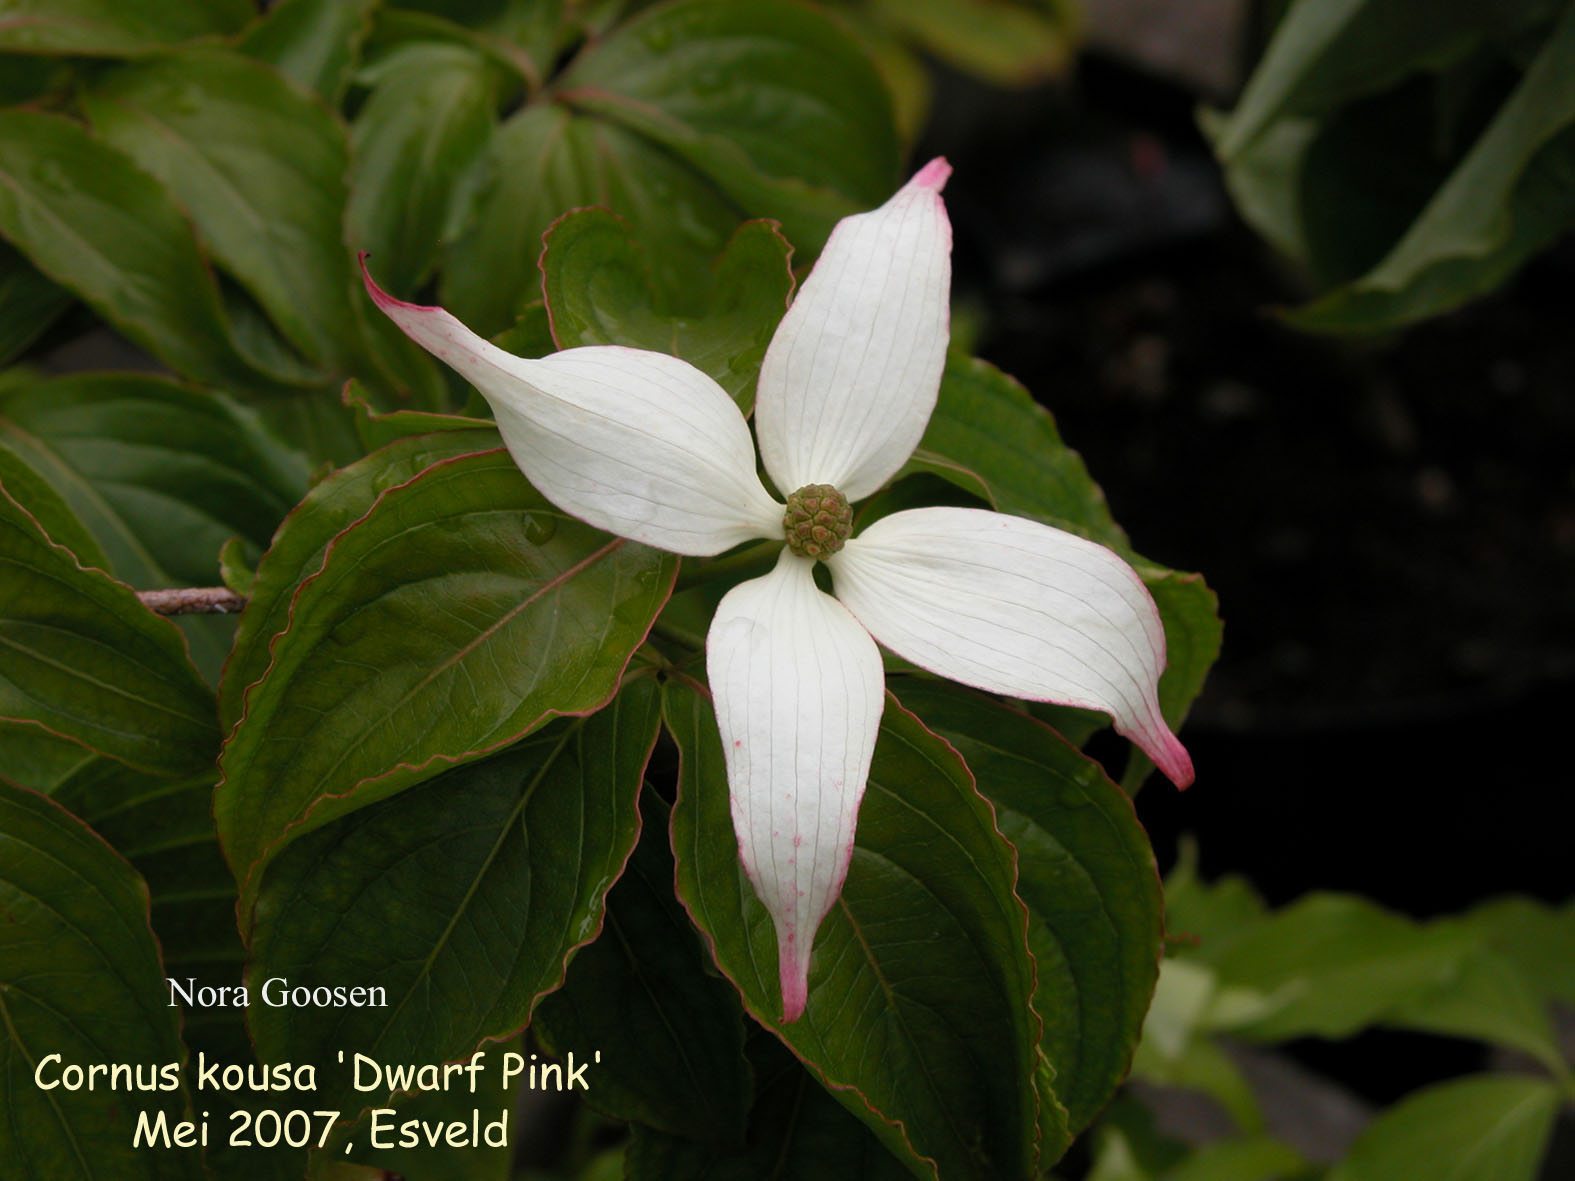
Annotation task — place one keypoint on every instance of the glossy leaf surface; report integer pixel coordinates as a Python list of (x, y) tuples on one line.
[(80, 978), (113, 28), (918, 1014), (990, 438), (163, 475), (81, 658), (596, 281), (424, 123), (260, 168), (1087, 873), (545, 160), (89, 218), (671, 1033), (297, 550), (774, 102), (463, 897), (459, 614), (314, 43)]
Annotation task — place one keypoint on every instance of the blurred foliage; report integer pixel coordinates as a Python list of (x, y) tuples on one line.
[(1331, 966), (1408, 161)]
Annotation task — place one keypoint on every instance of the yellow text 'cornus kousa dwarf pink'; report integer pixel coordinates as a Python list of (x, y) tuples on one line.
[(648, 447)]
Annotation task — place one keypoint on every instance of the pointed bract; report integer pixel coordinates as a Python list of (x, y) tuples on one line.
[(649, 447), (851, 376), (1015, 607), (799, 689), (638, 443)]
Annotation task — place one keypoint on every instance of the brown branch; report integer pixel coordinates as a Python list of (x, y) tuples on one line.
[(192, 600)]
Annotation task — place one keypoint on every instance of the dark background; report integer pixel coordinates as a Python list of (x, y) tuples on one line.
[(1389, 523)]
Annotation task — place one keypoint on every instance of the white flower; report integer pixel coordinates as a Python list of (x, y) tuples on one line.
[(646, 446)]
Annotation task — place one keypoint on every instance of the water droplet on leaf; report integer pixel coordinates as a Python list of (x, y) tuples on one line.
[(539, 528)]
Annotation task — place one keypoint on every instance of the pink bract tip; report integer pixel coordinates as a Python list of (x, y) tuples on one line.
[(793, 972), (380, 297), (933, 175), (795, 994), (1169, 756)]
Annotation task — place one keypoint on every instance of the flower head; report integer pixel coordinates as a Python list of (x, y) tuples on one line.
[(648, 447)]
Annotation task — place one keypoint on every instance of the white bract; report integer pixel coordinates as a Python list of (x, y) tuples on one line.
[(648, 447)]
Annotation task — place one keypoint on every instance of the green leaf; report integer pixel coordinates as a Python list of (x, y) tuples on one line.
[(989, 437), (1486, 1128), (260, 168), (671, 1033), (1252, 1158), (160, 473), (297, 551), (30, 755), (458, 615), (1001, 41), (234, 570), (1359, 966), (1327, 52), (918, 1017), (463, 897), (1330, 965), (378, 430), (598, 292), (796, 1130), (80, 978), (113, 28), (1511, 195), (165, 829), (524, 36), (1363, 178), (314, 43), (35, 758), (34, 493), (29, 304), (1487, 998), (95, 223), (81, 658), (314, 423), (906, 74), (542, 162), (424, 124), (1266, 180), (1085, 870), (1209, 918), (529, 336), (775, 102), (1538, 939)]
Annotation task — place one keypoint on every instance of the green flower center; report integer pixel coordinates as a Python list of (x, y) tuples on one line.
[(818, 521)]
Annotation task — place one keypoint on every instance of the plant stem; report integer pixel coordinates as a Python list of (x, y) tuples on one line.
[(193, 600)]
